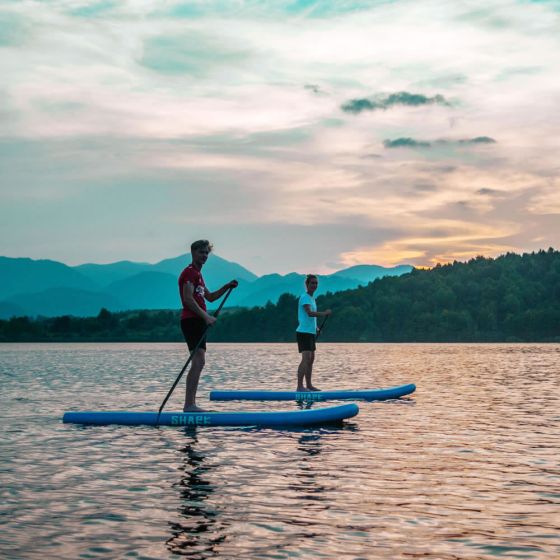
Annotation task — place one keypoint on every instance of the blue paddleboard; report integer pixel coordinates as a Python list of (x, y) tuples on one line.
[(366, 394), (326, 415)]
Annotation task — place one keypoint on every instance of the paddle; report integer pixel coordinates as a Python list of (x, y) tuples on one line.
[(321, 326), (217, 312)]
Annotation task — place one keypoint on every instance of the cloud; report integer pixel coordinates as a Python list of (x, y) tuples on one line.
[(94, 9), (314, 88), (412, 143), (426, 245), (425, 187), (385, 102), (487, 191), (308, 9), (14, 29), (194, 53), (477, 140), (406, 143), (234, 108), (358, 105)]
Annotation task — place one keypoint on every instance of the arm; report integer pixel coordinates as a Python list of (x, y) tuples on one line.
[(190, 302), (213, 296), (310, 313)]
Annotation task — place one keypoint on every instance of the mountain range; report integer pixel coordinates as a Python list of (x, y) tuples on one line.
[(50, 288)]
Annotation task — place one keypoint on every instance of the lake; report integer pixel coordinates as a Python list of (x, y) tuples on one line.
[(468, 467)]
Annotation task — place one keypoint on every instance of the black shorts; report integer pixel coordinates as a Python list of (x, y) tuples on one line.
[(305, 342), (193, 330)]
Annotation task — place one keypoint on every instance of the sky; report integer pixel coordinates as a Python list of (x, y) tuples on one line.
[(302, 136)]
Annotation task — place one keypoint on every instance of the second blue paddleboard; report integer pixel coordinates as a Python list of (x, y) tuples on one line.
[(364, 395)]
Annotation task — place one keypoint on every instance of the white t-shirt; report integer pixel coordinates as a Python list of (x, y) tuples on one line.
[(307, 324)]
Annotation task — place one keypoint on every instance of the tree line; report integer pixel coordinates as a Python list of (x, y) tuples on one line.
[(511, 298)]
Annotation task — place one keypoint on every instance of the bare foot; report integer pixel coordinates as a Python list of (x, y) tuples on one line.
[(312, 388), (193, 408)]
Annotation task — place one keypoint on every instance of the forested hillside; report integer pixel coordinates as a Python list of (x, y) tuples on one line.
[(511, 298)]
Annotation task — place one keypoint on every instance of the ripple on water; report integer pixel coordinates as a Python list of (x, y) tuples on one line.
[(465, 468)]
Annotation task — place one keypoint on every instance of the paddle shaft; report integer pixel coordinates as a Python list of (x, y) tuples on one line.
[(190, 357), (321, 326)]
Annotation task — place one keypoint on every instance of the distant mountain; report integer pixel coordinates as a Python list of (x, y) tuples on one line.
[(8, 310), (513, 298), (64, 301), (146, 290), (28, 275), (366, 273), (105, 274), (216, 271), (48, 288), (271, 286)]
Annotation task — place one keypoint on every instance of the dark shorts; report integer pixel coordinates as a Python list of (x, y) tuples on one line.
[(305, 342), (193, 329)]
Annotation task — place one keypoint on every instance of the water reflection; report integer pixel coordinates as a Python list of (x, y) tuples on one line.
[(466, 468), (304, 405), (200, 530), (300, 499), (307, 482)]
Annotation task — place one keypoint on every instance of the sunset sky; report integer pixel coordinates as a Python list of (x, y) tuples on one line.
[(296, 135)]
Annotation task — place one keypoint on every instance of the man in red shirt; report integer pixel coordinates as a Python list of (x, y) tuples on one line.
[(194, 318)]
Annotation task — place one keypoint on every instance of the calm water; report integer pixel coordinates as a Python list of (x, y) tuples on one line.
[(467, 468)]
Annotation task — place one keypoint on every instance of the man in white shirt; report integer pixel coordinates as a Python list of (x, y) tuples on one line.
[(306, 333)]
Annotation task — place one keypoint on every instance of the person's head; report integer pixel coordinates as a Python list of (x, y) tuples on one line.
[(200, 250), (311, 283)]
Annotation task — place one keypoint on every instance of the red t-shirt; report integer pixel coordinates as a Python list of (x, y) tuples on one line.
[(194, 276)]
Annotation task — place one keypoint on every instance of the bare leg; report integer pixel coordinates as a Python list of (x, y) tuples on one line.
[(193, 376), (309, 373), (304, 369)]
